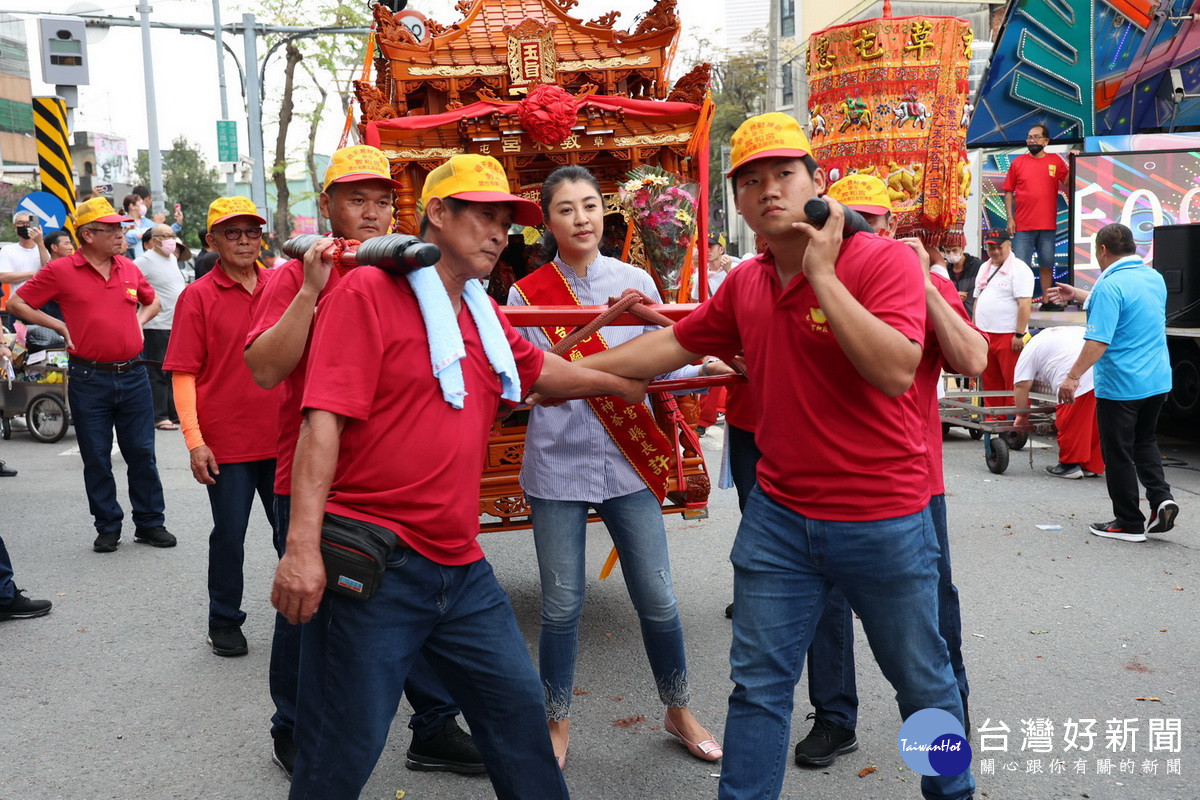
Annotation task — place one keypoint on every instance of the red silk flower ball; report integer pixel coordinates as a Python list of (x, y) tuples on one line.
[(547, 114)]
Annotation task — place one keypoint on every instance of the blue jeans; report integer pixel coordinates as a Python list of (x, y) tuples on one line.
[(784, 566), (8, 589), (431, 703), (743, 462), (1026, 243), (231, 499), (355, 656), (831, 681), (635, 523), (101, 401)]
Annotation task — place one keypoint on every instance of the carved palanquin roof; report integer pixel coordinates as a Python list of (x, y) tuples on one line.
[(478, 45)]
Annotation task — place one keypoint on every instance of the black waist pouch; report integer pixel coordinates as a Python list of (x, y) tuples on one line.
[(355, 555)]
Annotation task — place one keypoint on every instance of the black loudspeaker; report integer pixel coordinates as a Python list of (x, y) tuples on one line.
[(1177, 259)]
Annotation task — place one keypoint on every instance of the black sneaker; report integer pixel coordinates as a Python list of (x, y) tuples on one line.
[(1113, 530), (7, 472), (283, 753), (1163, 518), (452, 750), (729, 611), (158, 536), (227, 640), (107, 542), (1048, 306), (1070, 471), (21, 607), (825, 742)]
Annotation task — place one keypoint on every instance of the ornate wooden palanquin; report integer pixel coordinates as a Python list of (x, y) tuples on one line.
[(464, 88)]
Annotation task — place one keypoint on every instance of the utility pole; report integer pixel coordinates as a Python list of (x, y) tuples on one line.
[(221, 80), (773, 56), (258, 179), (158, 198)]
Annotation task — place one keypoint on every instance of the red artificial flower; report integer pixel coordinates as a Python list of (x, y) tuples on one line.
[(547, 114)]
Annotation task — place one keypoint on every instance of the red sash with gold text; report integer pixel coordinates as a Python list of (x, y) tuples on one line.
[(630, 425)]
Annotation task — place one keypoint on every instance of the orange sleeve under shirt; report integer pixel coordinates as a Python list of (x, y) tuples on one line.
[(184, 386)]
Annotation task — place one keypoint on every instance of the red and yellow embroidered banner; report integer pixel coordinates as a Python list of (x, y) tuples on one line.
[(888, 97), (630, 425)]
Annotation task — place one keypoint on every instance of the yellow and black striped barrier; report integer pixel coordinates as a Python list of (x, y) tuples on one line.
[(54, 154)]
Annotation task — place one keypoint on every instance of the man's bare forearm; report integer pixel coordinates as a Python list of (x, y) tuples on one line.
[(644, 357), (1021, 395), (1091, 353), (562, 378), (964, 347), (312, 474), (31, 316), (149, 312), (1024, 308), (278, 350)]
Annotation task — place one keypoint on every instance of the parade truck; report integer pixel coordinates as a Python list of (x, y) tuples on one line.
[(1156, 193)]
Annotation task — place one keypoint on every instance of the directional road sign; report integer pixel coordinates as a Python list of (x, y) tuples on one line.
[(50, 211)]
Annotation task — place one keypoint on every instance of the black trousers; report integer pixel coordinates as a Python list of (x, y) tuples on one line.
[(1130, 451), (160, 382)]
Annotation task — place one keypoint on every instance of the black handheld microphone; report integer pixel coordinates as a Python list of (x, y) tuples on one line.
[(817, 211), (395, 253)]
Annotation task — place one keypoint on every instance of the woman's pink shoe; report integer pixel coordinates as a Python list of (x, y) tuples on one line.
[(708, 750)]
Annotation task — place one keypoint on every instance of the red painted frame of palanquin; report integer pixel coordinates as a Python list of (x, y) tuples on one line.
[(458, 91)]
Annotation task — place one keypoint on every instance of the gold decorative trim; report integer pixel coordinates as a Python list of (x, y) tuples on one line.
[(651, 139), (428, 152), (531, 54), (457, 72), (602, 63)]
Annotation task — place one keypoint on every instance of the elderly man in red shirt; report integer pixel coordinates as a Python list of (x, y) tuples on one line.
[(105, 300), (228, 420)]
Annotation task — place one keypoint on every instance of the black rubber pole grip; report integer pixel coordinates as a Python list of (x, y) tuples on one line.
[(817, 211)]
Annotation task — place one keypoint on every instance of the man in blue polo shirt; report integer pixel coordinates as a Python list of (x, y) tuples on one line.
[(1126, 340)]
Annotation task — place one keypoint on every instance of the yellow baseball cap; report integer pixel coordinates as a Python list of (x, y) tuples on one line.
[(773, 135), (865, 193), (360, 162), (480, 179), (97, 209), (223, 208)]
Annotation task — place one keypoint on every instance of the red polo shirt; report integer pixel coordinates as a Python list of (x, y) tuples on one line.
[(834, 447), (100, 314), (237, 417), (408, 460), (929, 374), (1036, 182), (270, 301)]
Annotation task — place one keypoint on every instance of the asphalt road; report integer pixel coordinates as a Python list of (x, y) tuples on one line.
[(115, 694)]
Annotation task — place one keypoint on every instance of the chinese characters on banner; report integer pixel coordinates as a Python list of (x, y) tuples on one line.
[(888, 97), (1038, 746)]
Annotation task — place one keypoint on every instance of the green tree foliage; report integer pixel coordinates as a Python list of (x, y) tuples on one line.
[(331, 61), (10, 195), (188, 180), (739, 92)]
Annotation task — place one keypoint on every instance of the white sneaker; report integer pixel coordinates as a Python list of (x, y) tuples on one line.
[(1111, 530)]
